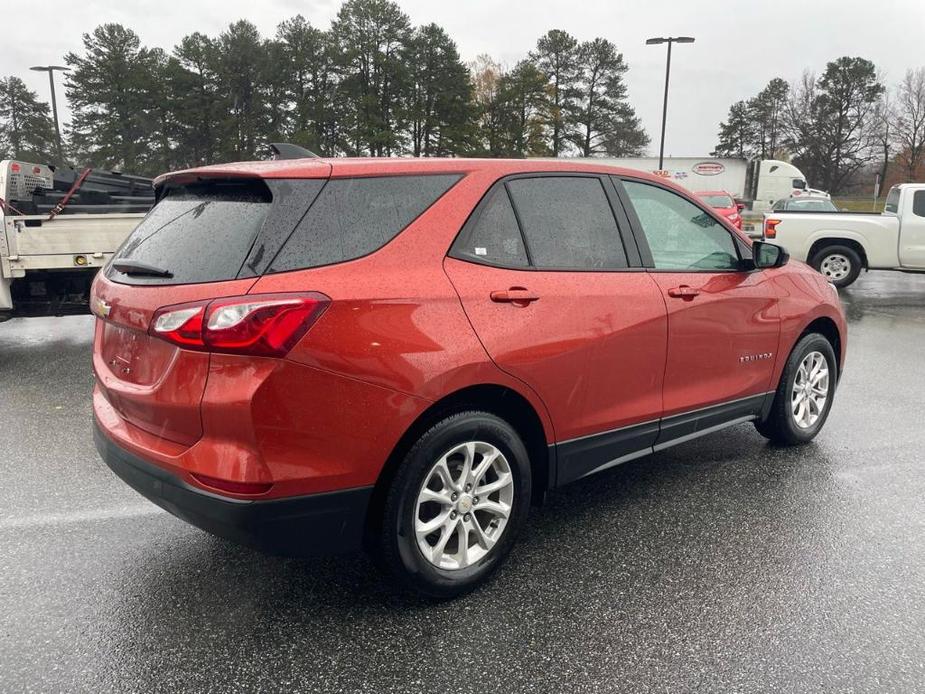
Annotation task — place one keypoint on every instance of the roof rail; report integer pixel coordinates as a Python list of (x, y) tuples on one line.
[(284, 150)]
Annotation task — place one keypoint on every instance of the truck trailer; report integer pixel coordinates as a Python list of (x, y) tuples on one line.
[(758, 183)]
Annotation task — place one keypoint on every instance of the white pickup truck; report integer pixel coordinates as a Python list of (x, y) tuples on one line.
[(840, 245)]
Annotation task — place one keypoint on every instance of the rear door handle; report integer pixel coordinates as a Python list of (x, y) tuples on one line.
[(683, 292), (519, 296)]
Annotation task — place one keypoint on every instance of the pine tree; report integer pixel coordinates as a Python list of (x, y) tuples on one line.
[(767, 113), (196, 101), (602, 119), (113, 87), (309, 67), (523, 112), (26, 130), (242, 64), (556, 55), (737, 133), (439, 95), (373, 36)]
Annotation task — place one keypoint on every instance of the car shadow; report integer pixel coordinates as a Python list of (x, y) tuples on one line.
[(672, 489)]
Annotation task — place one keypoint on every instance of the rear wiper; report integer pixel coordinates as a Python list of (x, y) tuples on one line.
[(137, 267)]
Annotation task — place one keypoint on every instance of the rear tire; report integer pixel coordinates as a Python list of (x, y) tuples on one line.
[(808, 380), (840, 265), (468, 478)]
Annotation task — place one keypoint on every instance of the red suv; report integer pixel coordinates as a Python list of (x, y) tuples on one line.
[(724, 204), (319, 355)]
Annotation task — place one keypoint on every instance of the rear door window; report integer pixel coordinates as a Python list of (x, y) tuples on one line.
[(198, 233), (892, 201), (492, 235), (353, 217), (567, 223)]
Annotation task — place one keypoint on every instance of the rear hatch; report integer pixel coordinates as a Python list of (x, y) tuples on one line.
[(204, 239)]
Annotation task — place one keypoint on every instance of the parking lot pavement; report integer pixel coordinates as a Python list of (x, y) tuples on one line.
[(721, 565)]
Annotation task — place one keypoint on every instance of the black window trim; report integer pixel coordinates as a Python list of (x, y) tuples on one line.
[(648, 262), (624, 226)]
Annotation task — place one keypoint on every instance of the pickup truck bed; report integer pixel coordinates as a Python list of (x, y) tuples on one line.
[(840, 245)]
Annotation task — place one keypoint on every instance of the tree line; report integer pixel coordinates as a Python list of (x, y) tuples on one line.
[(838, 128), (369, 85)]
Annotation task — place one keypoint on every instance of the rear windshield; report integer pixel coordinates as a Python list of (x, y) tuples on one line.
[(892, 201), (222, 230), (720, 201), (197, 233)]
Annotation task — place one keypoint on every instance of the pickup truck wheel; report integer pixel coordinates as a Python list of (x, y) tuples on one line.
[(804, 395), (841, 265), (456, 505)]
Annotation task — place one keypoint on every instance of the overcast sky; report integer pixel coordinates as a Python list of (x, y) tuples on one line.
[(740, 44)]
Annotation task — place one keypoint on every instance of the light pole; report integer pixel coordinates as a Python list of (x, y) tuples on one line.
[(50, 69), (669, 40)]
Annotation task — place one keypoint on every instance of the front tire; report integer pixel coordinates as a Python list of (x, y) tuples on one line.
[(804, 395), (840, 265), (456, 504)]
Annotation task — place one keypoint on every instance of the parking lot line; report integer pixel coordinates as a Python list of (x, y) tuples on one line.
[(46, 519)]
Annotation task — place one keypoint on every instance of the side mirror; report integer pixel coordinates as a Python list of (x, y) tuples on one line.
[(740, 206), (767, 255)]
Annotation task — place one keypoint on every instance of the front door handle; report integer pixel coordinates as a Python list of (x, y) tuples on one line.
[(519, 296), (683, 292)]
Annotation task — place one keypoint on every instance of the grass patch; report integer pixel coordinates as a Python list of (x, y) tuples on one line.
[(859, 204)]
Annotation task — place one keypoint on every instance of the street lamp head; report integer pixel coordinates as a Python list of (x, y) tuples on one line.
[(49, 68), (669, 39)]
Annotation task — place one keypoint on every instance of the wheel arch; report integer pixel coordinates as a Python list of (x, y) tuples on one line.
[(503, 402), (828, 328), (853, 244)]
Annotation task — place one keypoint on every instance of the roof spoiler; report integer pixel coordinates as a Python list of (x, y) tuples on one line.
[(284, 150)]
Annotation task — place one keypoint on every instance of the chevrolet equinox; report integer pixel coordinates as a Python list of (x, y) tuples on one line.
[(321, 355)]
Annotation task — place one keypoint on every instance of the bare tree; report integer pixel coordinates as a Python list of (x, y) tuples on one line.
[(487, 75), (883, 129), (910, 122)]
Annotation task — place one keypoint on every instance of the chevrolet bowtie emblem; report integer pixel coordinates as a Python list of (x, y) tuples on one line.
[(101, 308)]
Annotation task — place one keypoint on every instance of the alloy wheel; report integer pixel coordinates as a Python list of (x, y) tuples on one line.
[(463, 505), (810, 390)]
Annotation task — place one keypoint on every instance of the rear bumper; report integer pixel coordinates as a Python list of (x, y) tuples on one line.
[(328, 523)]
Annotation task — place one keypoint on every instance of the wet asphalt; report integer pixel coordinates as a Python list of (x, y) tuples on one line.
[(722, 565)]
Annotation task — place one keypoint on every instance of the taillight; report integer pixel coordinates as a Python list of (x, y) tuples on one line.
[(770, 228), (265, 325), (182, 326)]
